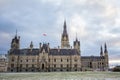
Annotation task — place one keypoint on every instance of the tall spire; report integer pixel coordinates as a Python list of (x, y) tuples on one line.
[(101, 51), (65, 37), (105, 51), (65, 30), (106, 57)]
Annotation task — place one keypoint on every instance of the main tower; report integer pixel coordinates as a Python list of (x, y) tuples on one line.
[(65, 38)]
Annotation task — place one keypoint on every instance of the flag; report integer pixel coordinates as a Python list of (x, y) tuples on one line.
[(44, 34)]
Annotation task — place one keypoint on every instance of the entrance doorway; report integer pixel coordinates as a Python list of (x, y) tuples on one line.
[(42, 66)]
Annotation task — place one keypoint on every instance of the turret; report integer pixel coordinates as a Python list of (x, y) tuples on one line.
[(15, 43), (76, 44), (106, 57), (105, 51), (31, 45), (65, 38), (101, 51)]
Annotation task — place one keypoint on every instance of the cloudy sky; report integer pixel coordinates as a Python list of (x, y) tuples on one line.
[(94, 21)]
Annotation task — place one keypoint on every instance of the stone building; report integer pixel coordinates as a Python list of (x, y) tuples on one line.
[(3, 63), (99, 63), (46, 59)]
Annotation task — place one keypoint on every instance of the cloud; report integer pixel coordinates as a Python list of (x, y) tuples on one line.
[(77, 25), (3, 2), (54, 2), (4, 42), (94, 21)]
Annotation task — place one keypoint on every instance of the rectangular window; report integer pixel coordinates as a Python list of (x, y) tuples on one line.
[(54, 65), (54, 60), (67, 60), (61, 60), (26, 60), (102, 63), (12, 60), (67, 65), (75, 65), (75, 60), (26, 65)]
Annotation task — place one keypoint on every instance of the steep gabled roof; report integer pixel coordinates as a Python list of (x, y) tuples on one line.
[(25, 52), (45, 47), (52, 51), (63, 52), (92, 57)]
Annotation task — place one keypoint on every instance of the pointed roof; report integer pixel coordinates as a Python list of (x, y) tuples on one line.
[(105, 51), (45, 47), (65, 28), (76, 41), (31, 44), (16, 38), (101, 51)]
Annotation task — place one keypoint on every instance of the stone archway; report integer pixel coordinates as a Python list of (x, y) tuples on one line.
[(43, 66)]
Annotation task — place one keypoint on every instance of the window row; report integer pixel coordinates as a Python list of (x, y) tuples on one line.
[(64, 60), (27, 65), (33, 60), (61, 65), (21, 65)]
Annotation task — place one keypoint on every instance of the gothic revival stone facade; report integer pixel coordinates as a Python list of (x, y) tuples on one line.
[(3, 63), (46, 59)]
